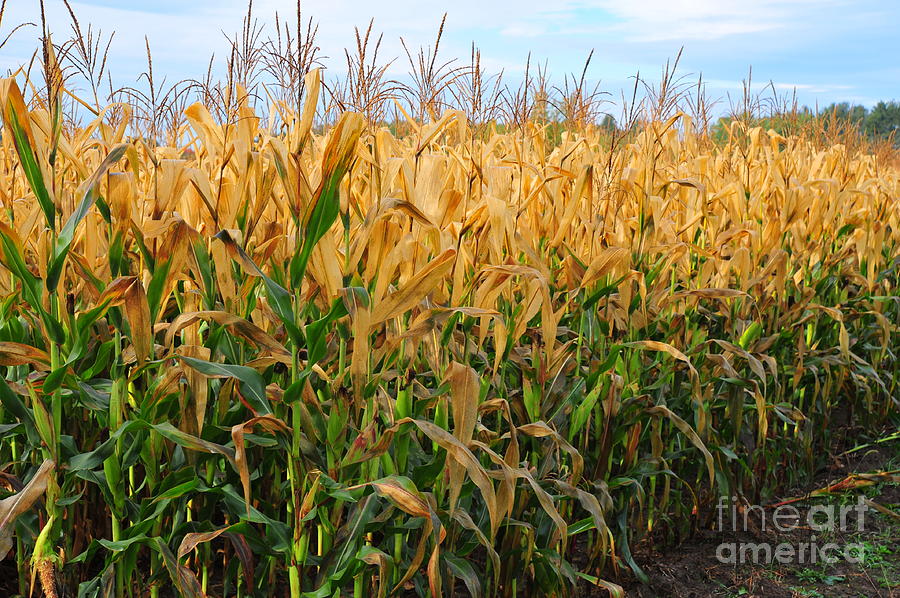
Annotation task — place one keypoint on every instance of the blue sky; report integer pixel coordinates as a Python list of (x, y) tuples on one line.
[(828, 50)]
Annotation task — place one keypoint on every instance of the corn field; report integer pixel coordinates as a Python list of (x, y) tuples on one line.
[(266, 356)]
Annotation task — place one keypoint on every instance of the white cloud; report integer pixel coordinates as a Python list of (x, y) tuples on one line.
[(523, 29), (811, 87), (173, 39), (681, 20)]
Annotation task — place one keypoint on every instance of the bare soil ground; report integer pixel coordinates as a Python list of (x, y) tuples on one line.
[(692, 569)]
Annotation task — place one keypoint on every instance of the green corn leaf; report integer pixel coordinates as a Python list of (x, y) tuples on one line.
[(464, 570), (583, 411), (189, 441), (316, 332), (279, 297), (14, 405), (14, 112), (54, 380), (253, 388), (156, 287), (67, 234), (362, 516), (95, 458), (31, 285), (325, 206)]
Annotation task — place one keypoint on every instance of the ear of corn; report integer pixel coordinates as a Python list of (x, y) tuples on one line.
[(314, 362)]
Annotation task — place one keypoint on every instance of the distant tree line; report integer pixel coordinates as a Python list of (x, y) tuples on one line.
[(881, 123)]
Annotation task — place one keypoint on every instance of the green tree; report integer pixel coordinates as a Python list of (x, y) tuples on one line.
[(884, 120), (845, 111)]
